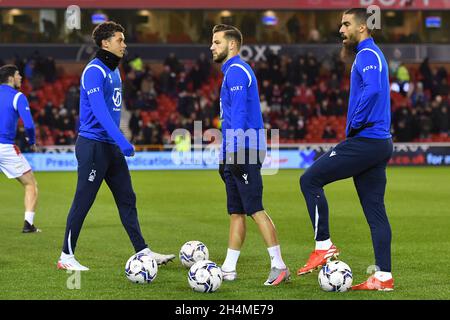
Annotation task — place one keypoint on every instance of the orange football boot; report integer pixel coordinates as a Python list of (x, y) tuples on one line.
[(317, 259), (374, 284)]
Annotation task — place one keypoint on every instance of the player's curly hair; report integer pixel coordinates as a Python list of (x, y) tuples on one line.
[(8, 70), (105, 31), (230, 33)]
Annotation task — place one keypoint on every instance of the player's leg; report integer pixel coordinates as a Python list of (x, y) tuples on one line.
[(16, 166), (31, 191), (371, 186), (238, 230), (266, 227), (92, 166), (279, 272), (250, 186), (238, 227), (30, 200), (119, 182), (347, 159)]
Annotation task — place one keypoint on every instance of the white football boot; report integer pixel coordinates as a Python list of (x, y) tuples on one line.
[(68, 262), (160, 258), (229, 275)]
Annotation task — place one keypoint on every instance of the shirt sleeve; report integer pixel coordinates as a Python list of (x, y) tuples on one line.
[(25, 114), (238, 83), (369, 67), (93, 84)]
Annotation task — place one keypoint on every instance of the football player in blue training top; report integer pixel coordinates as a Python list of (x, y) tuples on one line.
[(243, 152), (101, 147), (13, 105), (363, 155)]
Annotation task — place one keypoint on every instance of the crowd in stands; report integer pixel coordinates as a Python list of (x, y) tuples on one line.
[(30, 32), (294, 30), (304, 98), (53, 100)]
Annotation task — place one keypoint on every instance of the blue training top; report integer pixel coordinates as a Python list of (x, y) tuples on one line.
[(369, 100), (14, 104), (101, 105), (240, 108)]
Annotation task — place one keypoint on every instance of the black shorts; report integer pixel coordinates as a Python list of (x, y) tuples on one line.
[(244, 189)]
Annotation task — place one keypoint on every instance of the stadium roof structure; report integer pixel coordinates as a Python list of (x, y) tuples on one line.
[(231, 4)]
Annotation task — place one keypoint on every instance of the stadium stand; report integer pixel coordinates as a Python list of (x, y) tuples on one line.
[(306, 99)]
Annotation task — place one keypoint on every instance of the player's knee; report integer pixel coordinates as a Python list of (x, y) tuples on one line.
[(310, 181), (237, 218), (31, 186), (306, 181), (258, 215)]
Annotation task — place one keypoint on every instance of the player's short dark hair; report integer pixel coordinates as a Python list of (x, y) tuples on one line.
[(8, 70), (230, 33), (361, 16), (105, 31)]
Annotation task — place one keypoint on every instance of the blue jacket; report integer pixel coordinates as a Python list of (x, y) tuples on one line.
[(240, 108), (369, 100), (14, 104), (101, 105)]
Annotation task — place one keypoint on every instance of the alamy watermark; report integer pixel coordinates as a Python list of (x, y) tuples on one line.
[(240, 147), (73, 17), (374, 21), (74, 280), (372, 269)]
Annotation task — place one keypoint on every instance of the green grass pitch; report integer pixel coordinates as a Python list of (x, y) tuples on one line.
[(177, 206)]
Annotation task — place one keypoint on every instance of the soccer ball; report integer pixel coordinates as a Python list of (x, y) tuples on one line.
[(205, 276), (335, 276), (141, 268), (193, 251)]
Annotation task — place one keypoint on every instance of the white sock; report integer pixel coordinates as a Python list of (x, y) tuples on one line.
[(65, 256), (275, 257), (324, 245), (29, 216), (231, 260), (383, 276)]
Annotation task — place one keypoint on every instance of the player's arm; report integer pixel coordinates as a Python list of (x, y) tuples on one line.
[(25, 114), (369, 67), (238, 83), (93, 84)]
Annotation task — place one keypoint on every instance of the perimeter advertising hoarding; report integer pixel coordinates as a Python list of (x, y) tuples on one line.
[(299, 158)]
